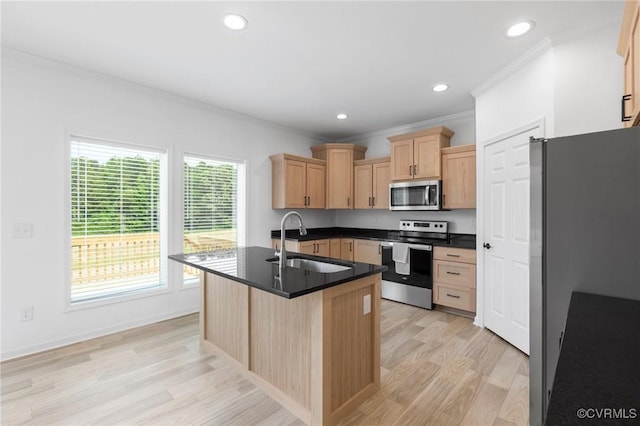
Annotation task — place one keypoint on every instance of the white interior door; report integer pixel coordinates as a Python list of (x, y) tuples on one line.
[(506, 237)]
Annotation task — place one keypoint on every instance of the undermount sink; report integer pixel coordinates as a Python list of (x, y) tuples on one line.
[(313, 265)]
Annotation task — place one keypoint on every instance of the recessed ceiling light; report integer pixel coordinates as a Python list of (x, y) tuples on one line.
[(521, 28), (342, 116), (234, 21), (440, 87)]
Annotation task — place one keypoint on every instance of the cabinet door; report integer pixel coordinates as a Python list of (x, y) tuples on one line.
[(402, 160), (307, 247), (635, 44), (459, 180), (426, 152), (367, 251), (362, 179), (340, 178), (291, 246), (629, 83), (316, 186), (346, 249), (323, 248), (334, 248), (295, 184), (381, 180)]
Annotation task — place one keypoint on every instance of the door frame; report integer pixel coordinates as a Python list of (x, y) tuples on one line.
[(480, 207)]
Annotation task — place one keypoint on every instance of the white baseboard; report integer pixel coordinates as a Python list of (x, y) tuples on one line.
[(77, 338)]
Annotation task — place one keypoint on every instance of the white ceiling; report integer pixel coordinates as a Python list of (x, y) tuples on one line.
[(299, 63)]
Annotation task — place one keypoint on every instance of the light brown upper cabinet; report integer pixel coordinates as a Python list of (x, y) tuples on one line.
[(459, 177), (371, 183), (297, 182), (629, 49), (339, 158), (416, 155)]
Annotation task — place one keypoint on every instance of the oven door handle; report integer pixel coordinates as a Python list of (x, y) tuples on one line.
[(422, 247)]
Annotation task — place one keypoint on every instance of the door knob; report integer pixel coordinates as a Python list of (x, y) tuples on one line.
[(487, 246)]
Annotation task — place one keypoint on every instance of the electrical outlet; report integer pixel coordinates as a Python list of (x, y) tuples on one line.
[(366, 304), (26, 313), (22, 230)]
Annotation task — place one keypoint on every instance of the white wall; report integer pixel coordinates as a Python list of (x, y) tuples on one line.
[(588, 81), (463, 124), (41, 102), (460, 221), (521, 98)]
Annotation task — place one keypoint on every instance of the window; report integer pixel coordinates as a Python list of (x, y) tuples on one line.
[(116, 205), (210, 206)]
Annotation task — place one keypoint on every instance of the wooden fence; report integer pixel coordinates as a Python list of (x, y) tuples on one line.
[(100, 258)]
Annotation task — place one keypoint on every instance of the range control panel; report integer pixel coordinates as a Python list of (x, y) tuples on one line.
[(423, 226)]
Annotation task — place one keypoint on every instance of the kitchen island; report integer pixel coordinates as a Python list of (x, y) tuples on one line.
[(309, 339)]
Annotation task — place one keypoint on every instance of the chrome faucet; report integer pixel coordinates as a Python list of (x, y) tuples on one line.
[(303, 231)]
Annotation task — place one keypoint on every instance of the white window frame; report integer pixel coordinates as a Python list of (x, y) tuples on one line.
[(241, 195), (163, 225)]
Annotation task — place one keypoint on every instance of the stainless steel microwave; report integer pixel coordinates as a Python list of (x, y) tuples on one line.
[(415, 195)]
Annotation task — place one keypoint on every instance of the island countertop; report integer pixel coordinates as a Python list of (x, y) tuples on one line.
[(253, 266)]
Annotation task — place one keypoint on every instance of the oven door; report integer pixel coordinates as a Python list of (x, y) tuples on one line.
[(422, 195), (413, 289)]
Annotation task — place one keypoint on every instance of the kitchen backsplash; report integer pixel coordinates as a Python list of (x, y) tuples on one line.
[(460, 221)]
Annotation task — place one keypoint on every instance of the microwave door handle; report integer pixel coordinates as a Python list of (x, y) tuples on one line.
[(427, 192)]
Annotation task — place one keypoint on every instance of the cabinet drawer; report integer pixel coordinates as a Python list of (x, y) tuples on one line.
[(455, 297), (454, 254), (461, 274)]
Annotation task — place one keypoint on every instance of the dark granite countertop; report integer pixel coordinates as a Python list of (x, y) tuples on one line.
[(249, 265), (598, 367), (455, 240)]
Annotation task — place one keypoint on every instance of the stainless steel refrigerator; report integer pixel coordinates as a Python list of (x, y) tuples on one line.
[(585, 236)]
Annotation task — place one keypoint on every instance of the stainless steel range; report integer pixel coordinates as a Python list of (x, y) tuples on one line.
[(408, 258)]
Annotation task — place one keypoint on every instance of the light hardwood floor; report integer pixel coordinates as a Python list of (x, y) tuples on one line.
[(437, 368)]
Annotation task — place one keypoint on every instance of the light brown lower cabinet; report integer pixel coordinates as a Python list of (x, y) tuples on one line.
[(334, 248), (314, 247), (367, 251), (321, 366), (346, 249), (454, 278)]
